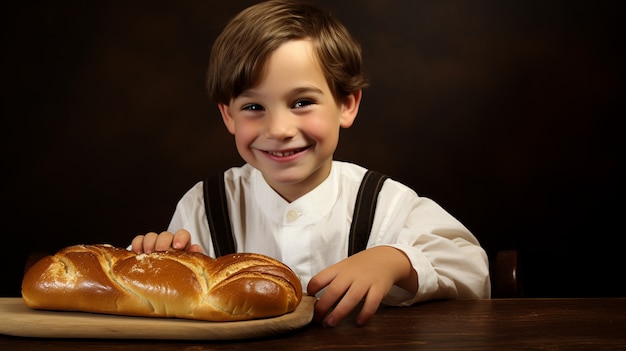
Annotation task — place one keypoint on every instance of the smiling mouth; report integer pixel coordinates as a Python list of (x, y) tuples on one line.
[(286, 153)]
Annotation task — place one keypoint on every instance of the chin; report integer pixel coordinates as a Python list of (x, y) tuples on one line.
[(285, 178)]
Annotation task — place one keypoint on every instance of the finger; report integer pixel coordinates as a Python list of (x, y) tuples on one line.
[(164, 241), (137, 244), (350, 300), (148, 242), (322, 306), (320, 281), (316, 284), (329, 298), (370, 306), (182, 240), (195, 248)]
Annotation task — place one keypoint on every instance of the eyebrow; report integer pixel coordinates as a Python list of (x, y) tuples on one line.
[(307, 89), (296, 91)]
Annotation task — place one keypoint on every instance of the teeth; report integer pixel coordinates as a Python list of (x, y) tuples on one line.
[(283, 154)]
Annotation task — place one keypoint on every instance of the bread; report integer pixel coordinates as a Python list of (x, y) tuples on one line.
[(106, 279)]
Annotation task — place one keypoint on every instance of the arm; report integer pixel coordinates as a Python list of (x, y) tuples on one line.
[(428, 255), (448, 259)]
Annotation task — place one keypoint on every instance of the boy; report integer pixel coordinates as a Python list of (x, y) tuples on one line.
[(286, 78)]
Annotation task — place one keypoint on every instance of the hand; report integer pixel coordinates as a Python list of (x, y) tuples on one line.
[(162, 242), (368, 275)]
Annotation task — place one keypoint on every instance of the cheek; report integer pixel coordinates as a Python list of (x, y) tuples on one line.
[(243, 144), (323, 130), (245, 133)]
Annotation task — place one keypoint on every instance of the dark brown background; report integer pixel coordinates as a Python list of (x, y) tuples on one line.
[(506, 113)]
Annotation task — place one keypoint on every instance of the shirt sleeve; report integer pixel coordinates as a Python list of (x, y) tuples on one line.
[(448, 259)]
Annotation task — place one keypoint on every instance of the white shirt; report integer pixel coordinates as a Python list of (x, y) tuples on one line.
[(312, 232)]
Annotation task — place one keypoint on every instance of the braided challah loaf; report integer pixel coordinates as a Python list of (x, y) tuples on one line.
[(106, 279)]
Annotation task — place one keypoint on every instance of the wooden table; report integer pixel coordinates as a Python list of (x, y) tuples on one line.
[(498, 324)]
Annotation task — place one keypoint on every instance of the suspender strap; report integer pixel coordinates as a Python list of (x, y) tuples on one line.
[(364, 209), (216, 209)]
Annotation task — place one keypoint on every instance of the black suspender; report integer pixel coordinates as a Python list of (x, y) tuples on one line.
[(219, 221), (364, 208), (216, 209)]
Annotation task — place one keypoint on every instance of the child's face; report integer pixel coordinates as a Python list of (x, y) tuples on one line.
[(288, 125)]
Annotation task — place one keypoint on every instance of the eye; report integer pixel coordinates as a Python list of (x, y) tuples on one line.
[(303, 103), (252, 107)]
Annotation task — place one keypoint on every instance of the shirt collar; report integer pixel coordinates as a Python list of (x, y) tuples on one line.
[(311, 207)]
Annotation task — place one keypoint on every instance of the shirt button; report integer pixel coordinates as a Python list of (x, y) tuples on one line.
[(292, 215)]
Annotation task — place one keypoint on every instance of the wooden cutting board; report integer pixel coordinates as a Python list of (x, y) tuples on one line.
[(18, 320)]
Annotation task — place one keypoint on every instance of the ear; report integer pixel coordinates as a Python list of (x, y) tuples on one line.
[(228, 119), (350, 108)]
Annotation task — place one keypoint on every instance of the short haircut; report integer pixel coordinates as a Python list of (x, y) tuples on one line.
[(240, 53)]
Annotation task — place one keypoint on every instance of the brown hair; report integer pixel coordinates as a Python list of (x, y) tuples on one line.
[(240, 52)]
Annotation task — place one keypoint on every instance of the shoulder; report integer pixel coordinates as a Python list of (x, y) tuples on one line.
[(233, 176), (353, 174), (348, 172), (192, 198), (240, 175)]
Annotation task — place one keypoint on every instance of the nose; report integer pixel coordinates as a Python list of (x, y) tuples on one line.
[(280, 125)]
